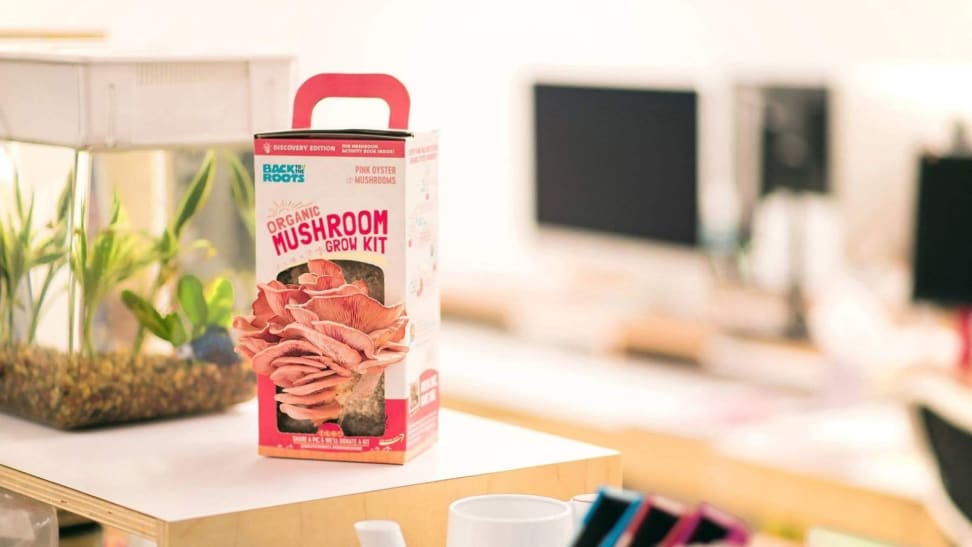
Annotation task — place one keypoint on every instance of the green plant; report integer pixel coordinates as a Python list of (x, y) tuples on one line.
[(55, 249), (114, 255), (201, 309), (24, 247), (110, 257), (241, 189), (168, 246)]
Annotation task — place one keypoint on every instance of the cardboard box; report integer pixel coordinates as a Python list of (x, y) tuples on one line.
[(343, 332)]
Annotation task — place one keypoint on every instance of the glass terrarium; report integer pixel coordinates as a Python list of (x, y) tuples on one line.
[(126, 231)]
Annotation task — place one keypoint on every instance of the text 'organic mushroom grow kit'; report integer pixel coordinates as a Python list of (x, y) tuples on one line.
[(342, 334)]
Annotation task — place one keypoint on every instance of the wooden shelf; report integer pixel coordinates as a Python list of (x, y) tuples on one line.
[(51, 34), (199, 482)]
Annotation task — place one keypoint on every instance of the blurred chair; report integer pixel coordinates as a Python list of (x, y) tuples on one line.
[(941, 412)]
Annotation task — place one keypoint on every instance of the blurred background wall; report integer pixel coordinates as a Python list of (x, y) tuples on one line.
[(896, 68)]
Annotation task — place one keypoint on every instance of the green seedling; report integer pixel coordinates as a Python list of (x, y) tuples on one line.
[(241, 189), (103, 262), (168, 246), (24, 247), (202, 323)]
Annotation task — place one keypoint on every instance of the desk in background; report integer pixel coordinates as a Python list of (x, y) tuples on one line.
[(605, 321), (772, 457)]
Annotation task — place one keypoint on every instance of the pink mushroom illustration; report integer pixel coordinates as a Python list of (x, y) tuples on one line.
[(323, 341)]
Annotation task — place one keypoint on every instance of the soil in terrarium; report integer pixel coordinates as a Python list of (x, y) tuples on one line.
[(73, 391)]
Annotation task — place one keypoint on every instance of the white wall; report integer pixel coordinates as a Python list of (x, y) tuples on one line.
[(468, 65), (891, 113)]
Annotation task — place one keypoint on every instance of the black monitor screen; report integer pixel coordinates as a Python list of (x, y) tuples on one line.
[(943, 231), (795, 137), (620, 161)]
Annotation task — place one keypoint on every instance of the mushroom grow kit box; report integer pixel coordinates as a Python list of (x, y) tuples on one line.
[(126, 230), (342, 334)]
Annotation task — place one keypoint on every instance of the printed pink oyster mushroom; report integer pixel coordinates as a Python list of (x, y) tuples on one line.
[(323, 341)]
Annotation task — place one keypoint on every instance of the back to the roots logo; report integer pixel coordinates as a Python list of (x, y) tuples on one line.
[(283, 172)]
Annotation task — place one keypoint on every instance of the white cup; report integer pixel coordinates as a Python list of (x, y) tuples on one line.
[(509, 520), (379, 533), (580, 505)]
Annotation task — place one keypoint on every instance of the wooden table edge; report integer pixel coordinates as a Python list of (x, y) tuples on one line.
[(86, 505), (293, 523), (591, 471)]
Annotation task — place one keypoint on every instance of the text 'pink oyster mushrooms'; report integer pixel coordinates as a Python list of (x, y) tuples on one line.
[(321, 340)]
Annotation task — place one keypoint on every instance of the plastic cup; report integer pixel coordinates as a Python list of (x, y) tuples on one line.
[(379, 533)]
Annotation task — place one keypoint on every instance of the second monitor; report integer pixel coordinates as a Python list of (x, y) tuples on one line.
[(617, 161)]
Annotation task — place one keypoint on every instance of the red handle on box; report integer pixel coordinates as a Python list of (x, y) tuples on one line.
[(369, 86)]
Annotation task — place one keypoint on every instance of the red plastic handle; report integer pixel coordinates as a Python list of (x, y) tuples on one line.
[(374, 86)]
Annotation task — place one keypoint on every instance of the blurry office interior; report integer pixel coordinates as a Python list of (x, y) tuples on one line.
[(739, 229)]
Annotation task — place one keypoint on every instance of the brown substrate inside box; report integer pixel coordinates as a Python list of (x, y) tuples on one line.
[(70, 391), (364, 416)]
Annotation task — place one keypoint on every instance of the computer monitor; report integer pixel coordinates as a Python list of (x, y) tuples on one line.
[(788, 226), (942, 257), (795, 139), (617, 161), (781, 140)]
